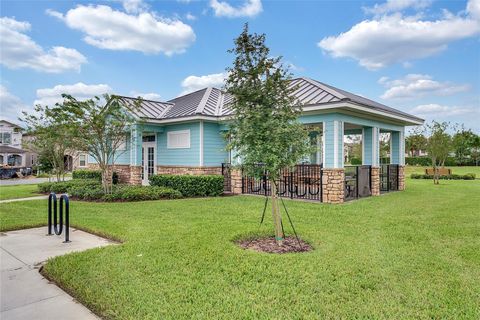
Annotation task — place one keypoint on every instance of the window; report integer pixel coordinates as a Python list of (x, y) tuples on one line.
[(5, 137), (178, 139), (82, 161)]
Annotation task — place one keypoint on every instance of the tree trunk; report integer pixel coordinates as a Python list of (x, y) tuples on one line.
[(277, 218)]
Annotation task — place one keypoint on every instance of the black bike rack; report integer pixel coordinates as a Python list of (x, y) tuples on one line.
[(58, 227)]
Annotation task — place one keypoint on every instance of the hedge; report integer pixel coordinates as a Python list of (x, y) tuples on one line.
[(468, 176), (92, 174), (191, 186), (88, 189)]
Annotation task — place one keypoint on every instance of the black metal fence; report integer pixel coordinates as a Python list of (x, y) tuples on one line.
[(389, 177), (304, 181), (358, 182), (227, 177)]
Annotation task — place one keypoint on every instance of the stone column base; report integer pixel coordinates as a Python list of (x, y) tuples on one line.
[(333, 185), (375, 179), (236, 176), (401, 178), (135, 175)]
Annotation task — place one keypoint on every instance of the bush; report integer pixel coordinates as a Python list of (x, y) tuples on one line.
[(418, 161), (141, 193), (355, 161), (191, 186), (89, 189), (65, 186), (92, 174), (468, 176)]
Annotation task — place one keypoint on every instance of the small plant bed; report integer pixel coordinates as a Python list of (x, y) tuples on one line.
[(269, 245)]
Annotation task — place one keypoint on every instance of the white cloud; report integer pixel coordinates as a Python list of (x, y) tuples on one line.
[(397, 5), (11, 106), (414, 86), (134, 6), (193, 83), (250, 8), (190, 17), (394, 38), (147, 96), (441, 111), (106, 28), (20, 51), (80, 91)]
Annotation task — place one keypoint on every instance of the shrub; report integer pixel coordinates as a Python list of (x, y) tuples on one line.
[(468, 176), (191, 186), (92, 174), (141, 193), (418, 161), (355, 161), (65, 186)]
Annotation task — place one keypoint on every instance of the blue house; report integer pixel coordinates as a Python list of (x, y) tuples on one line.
[(185, 136)]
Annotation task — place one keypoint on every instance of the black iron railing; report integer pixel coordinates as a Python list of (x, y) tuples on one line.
[(358, 182), (304, 181), (389, 177)]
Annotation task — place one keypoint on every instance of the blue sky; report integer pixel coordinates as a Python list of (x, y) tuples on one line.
[(420, 56)]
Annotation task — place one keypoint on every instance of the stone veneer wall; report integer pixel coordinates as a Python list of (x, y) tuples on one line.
[(135, 175), (375, 178), (401, 178), (333, 183), (188, 170)]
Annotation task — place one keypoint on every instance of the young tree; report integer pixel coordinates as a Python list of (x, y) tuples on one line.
[(52, 137), (439, 145), (99, 126), (265, 128)]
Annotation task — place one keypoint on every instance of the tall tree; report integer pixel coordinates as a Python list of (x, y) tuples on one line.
[(265, 128), (463, 144), (52, 137), (100, 127), (439, 145)]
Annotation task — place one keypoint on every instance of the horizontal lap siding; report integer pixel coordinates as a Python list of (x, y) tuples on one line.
[(179, 157), (214, 145)]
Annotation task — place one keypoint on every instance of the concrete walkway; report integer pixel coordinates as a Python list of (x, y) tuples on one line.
[(24, 199), (13, 182), (24, 292)]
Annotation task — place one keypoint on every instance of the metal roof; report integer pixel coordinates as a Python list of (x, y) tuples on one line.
[(215, 103), (8, 149)]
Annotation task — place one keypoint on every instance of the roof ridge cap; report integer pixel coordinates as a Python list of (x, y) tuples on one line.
[(203, 102)]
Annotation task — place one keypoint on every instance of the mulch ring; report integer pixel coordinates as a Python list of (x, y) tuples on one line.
[(269, 245)]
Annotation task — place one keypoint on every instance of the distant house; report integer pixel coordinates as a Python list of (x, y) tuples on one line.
[(11, 152), (186, 136)]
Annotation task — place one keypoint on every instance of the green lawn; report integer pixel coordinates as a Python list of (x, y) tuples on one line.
[(412, 254), (455, 170), (18, 191)]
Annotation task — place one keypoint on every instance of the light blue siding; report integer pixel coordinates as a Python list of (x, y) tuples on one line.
[(214, 144), (367, 156), (397, 147), (333, 140), (179, 157)]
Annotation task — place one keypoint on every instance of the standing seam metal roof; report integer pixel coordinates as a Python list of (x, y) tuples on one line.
[(214, 102)]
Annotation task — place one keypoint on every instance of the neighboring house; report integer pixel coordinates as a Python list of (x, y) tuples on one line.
[(11, 152), (186, 135)]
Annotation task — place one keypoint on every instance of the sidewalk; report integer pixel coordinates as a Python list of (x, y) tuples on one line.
[(24, 292), (24, 199)]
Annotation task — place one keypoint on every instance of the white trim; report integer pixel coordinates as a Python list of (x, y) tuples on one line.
[(363, 145), (335, 144), (342, 146), (201, 143), (186, 146), (323, 143)]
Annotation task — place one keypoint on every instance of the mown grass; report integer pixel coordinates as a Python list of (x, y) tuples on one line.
[(18, 191), (412, 254), (455, 170)]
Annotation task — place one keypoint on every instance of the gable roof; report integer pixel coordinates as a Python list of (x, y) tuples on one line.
[(213, 102), (11, 124)]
